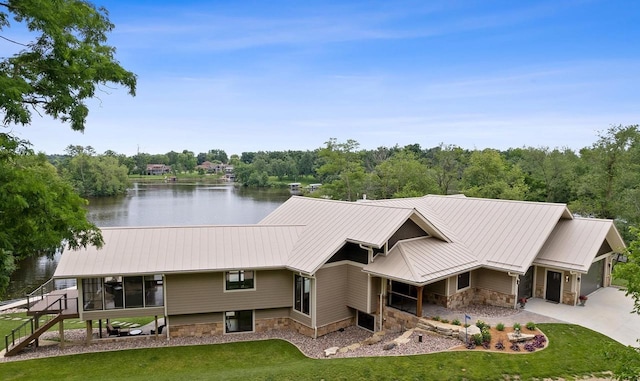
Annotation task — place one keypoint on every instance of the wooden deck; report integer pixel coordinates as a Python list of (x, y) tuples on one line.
[(64, 302)]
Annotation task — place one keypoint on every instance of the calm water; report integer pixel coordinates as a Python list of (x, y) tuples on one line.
[(161, 205)]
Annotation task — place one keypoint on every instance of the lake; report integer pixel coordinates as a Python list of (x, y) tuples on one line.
[(171, 204)]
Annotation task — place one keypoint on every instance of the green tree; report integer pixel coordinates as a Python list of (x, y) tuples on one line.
[(94, 176), (447, 164), (40, 211), (62, 66), (489, 175), (342, 172), (403, 175)]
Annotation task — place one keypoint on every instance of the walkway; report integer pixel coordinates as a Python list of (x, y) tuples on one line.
[(607, 311)]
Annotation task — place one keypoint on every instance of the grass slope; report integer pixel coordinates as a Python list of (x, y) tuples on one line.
[(572, 351)]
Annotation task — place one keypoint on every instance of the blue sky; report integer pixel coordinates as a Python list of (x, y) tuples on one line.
[(278, 75)]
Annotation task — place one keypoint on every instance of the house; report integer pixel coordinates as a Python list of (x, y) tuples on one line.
[(317, 265), (158, 169)]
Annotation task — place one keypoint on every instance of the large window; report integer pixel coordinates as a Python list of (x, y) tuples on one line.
[(463, 280), (239, 280), (117, 292), (302, 295), (238, 321)]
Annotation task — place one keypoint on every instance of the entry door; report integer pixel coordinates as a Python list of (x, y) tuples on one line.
[(554, 282)]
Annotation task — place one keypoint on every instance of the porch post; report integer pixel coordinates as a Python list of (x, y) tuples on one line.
[(89, 331), (61, 333), (156, 331), (419, 302)]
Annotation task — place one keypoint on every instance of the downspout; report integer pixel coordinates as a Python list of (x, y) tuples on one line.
[(517, 288), (383, 284), (314, 318), (166, 315)]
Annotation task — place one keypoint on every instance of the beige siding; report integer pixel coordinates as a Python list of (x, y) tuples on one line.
[(331, 292), (357, 288), (453, 282), (204, 292), (492, 280), (272, 313), (375, 294), (122, 313), (195, 319), (439, 287)]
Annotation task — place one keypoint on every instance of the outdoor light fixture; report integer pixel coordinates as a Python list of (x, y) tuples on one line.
[(566, 278)]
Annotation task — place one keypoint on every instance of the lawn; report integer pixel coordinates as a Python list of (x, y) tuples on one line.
[(572, 351), (13, 320)]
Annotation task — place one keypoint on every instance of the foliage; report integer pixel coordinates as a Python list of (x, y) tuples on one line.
[(94, 176), (574, 352), (500, 326), (342, 172), (499, 345), (445, 321), (62, 66), (630, 271), (455, 322), (482, 325), (531, 326), (486, 334), (40, 211), (515, 347), (517, 326), (477, 338), (489, 175)]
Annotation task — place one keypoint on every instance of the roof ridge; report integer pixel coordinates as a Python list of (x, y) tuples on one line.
[(497, 200), (199, 226)]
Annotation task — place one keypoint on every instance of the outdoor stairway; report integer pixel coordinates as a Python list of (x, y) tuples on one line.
[(17, 346)]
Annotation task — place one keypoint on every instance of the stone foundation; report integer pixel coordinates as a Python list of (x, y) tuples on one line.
[(461, 299), (569, 298), (494, 298), (196, 330), (396, 320), (266, 325)]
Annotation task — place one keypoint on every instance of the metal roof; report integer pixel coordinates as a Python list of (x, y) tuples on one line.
[(571, 240), (423, 260), (155, 250)]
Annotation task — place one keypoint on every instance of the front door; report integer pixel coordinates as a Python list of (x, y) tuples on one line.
[(554, 282)]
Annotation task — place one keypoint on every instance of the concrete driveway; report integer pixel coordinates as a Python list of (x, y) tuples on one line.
[(607, 311)]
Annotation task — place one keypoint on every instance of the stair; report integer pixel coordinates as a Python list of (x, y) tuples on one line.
[(24, 341)]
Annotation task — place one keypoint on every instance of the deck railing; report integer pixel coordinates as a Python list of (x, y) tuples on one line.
[(50, 312)]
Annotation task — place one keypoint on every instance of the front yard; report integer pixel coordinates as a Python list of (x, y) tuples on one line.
[(572, 351)]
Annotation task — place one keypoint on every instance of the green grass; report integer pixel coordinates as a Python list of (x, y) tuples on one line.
[(8, 323), (572, 351)]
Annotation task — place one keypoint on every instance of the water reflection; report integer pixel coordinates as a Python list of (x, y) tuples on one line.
[(161, 205)]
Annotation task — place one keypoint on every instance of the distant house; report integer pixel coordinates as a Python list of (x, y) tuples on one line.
[(210, 167), (316, 265), (158, 169)]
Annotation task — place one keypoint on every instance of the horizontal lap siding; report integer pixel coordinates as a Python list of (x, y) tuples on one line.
[(195, 319), (331, 303), (357, 288), (204, 292), (439, 288), (493, 280)]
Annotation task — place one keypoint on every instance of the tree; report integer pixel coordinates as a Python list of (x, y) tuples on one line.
[(94, 176), (489, 175), (40, 211), (342, 171), (402, 175), (64, 64), (447, 163), (54, 74)]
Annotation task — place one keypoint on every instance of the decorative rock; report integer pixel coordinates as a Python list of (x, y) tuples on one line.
[(375, 339), (331, 351), (353, 347), (470, 331), (521, 337), (389, 346)]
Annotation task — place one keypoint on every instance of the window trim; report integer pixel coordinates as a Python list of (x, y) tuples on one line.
[(458, 288), (253, 322), (295, 284), (241, 273)]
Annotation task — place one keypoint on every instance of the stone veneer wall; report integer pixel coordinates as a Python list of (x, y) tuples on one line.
[(461, 299), (437, 299), (261, 325), (396, 320), (569, 298), (494, 298)]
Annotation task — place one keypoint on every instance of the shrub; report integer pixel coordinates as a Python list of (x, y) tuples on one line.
[(529, 347), (477, 338), (486, 345), (455, 322), (471, 345), (436, 318), (531, 326), (500, 327), (515, 347), (486, 335), (480, 324), (499, 345), (516, 326), (539, 341), (445, 321)]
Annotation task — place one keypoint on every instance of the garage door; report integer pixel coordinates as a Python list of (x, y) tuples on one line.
[(593, 279)]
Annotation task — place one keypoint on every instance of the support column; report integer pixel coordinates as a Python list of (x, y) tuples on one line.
[(419, 302), (89, 331), (156, 331), (61, 333)]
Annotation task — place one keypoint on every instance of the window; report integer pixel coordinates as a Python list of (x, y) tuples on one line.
[(133, 292), (153, 291), (238, 321), (463, 280), (240, 280), (366, 321), (302, 294), (115, 292), (92, 294)]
